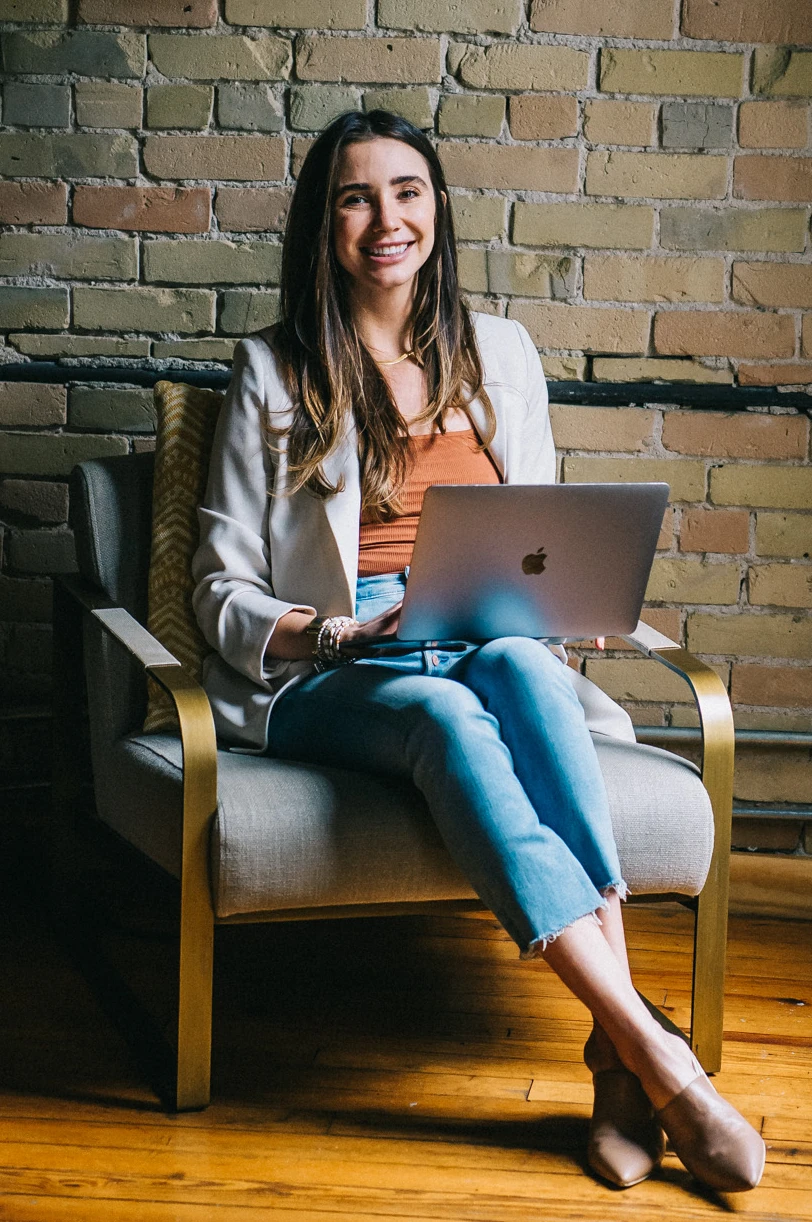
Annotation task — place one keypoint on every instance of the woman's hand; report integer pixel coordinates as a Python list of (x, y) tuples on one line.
[(385, 624)]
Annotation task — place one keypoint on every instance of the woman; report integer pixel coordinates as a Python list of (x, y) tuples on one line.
[(372, 387)]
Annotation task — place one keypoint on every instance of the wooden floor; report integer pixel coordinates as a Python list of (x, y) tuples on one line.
[(399, 1069)]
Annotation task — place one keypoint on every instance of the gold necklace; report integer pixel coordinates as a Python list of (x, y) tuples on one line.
[(397, 359)]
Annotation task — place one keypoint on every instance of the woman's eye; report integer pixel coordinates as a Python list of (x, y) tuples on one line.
[(409, 193)]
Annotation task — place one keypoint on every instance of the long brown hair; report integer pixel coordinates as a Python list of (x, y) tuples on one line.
[(331, 374)]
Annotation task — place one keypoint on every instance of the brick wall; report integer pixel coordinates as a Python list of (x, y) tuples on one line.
[(632, 181)]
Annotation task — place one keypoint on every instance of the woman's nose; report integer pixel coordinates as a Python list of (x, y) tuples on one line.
[(386, 216)]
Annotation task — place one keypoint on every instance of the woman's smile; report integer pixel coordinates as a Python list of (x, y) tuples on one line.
[(387, 253)]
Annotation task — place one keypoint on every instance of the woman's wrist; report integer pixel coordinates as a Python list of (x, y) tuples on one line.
[(326, 634)]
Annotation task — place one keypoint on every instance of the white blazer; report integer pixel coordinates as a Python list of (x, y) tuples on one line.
[(263, 555)]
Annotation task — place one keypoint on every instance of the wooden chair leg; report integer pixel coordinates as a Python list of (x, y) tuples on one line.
[(193, 1077)]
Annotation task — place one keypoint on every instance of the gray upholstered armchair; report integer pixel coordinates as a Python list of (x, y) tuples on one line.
[(253, 840)]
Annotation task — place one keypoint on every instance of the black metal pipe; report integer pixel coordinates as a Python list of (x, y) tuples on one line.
[(690, 736)]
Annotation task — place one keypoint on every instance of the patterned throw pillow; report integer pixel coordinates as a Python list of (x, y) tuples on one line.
[(186, 419)]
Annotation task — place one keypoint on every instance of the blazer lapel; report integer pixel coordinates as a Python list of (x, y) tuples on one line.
[(344, 509)]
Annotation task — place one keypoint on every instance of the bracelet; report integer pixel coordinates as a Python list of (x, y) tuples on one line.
[(328, 631)]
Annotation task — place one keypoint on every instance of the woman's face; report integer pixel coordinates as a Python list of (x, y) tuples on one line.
[(383, 220)]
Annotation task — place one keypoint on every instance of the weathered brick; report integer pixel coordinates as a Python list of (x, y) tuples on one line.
[(610, 122), (376, 60), (240, 158), (784, 534), (33, 203), (780, 585), (413, 104), (637, 679), (782, 72), (586, 328), (478, 217), (774, 375), (263, 209), (244, 312), (299, 14), (465, 114), (762, 229), (39, 105), (701, 125), (472, 269), (753, 636), (300, 147), (68, 256), (735, 434), (608, 225), (743, 21), (712, 74), (775, 719), (693, 581), (86, 52), (24, 307), (772, 125), (472, 17), (714, 530), (250, 108), (806, 335), (724, 333), (505, 167), (656, 175), (143, 445), (34, 10), (776, 836), (622, 429), (34, 498), (108, 410), (192, 13), (215, 262), (773, 284), (78, 345), (312, 107), (530, 275), (788, 686), (108, 104), (765, 776), (55, 454), (156, 209), (179, 106), (31, 403), (144, 309), (232, 57), (628, 278), (195, 349), (25, 600), (78, 155), (781, 178), (762, 485), (481, 304), (521, 66), (42, 551), (687, 479), (634, 19), (543, 118), (650, 369), (565, 368)]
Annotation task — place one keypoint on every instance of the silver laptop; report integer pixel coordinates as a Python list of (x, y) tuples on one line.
[(552, 560)]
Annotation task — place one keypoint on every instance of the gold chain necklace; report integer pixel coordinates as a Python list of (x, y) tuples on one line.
[(397, 359)]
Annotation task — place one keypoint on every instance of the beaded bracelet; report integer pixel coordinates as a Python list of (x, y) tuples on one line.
[(328, 634)]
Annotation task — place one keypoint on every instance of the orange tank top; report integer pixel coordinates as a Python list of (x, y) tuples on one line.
[(439, 458)]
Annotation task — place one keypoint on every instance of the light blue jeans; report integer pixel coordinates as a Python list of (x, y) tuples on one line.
[(495, 740)]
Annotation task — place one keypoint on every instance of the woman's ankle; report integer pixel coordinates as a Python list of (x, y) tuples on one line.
[(600, 1053)]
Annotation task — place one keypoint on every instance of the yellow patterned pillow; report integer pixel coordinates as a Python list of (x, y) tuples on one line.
[(185, 431)]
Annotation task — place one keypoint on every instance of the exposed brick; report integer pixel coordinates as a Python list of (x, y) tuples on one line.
[(250, 108), (806, 335), (711, 74), (34, 10), (107, 104), (463, 114), (312, 107), (33, 203), (179, 106), (156, 209), (55, 454), (195, 349), (628, 278), (486, 305), (216, 262), (724, 333), (78, 345), (637, 679), (503, 167), (693, 581), (144, 309), (784, 534), (787, 686), (33, 498), (25, 600), (232, 57), (31, 403), (650, 369), (714, 530), (413, 104), (376, 60), (766, 776), (78, 155), (762, 229), (240, 158), (701, 125), (565, 368), (772, 125), (586, 328), (299, 14), (472, 270), (774, 719), (607, 225), (743, 21), (776, 836), (530, 275), (656, 175), (244, 312), (300, 147), (687, 479), (42, 551), (634, 19), (472, 17), (39, 105), (543, 118), (781, 178), (762, 485), (520, 66), (774, 375), (24, 307), (736, 435), (109, 410), (86, 52), (143, 445), (622, 429), (68, 256), (780, 585), (756, 635), (610, 122), (478, 217), (245, 209), (773, 284), (192, 13), (782, 72)]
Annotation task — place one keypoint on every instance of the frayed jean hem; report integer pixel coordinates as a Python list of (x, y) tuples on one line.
[(539, 945)]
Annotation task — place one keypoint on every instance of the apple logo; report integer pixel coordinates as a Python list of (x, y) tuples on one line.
[(534, 562)]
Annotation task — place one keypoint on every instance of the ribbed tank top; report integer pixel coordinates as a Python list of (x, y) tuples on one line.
[(439, 458)]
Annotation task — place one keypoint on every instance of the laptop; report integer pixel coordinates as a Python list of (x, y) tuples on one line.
[(558, 561)]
